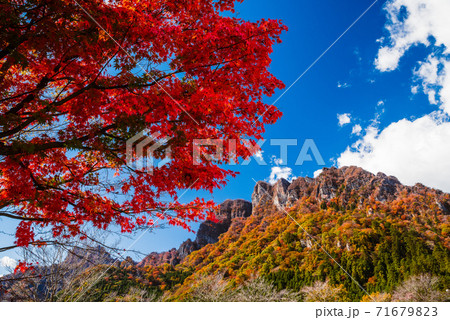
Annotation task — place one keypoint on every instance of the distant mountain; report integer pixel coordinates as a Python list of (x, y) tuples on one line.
[(88, 257), (43, 282)]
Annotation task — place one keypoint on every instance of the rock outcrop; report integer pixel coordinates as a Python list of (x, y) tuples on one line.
[(334, 183), (88, 257), (158, 258), (262, 194), (280, 193), (299, 188), (208, 232)]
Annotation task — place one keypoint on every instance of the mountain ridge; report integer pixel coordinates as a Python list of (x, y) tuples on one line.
[(208, 232), (378, 229), (330, 184), (346, 221)]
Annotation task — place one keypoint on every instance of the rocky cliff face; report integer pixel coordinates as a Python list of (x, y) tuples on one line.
[(207, 233), (276, 194), (88, 257), (370, 223), (332, 183)]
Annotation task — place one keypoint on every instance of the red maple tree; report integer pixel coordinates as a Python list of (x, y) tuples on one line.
[(73, 89)]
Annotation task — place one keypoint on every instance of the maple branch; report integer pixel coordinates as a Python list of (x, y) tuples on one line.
[(13, 45), (24, 278), (132, 85), (41, 85), (3, 249), (35, 147), (92, 85), (8, 215)]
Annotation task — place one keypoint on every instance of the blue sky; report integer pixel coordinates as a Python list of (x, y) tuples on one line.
[(393, 87)]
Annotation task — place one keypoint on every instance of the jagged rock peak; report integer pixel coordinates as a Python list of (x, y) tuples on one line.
[(299, 188), (89, 256), (231, 209), (352, 178), (328, 185), (207, 233), (280, 193), (262, 193)]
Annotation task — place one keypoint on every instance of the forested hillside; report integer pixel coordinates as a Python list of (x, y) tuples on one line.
[(347, 235), (376, 229)]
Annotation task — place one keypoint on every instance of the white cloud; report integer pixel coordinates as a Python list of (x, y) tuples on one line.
[(380, 103), (8, 262), (259, 155), (343, 85), (413, 22), (356, 129), (413, 151), (435, 80), (344, 119), (277, 173), (317, 173), (428, 71), (276, 161), (388, 59), (357, 53)]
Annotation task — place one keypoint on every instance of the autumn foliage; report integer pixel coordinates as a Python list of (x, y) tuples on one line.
[(79, 78), (371, 241), (269, 257)]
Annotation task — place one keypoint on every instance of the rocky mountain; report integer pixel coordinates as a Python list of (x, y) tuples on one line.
[(85, 258), (340, 184), (292, 234), (207, 233), (374, 227), (335, 185), (44, 281)]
